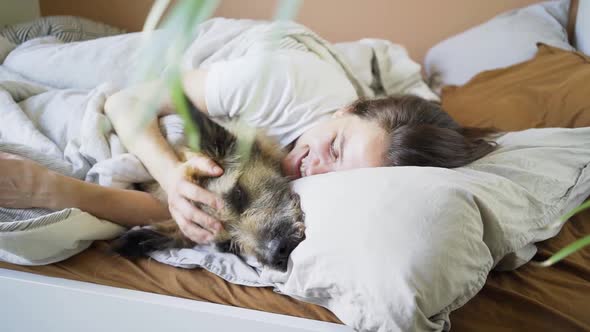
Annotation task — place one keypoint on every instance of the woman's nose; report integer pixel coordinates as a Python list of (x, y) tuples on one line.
[(319, 165)]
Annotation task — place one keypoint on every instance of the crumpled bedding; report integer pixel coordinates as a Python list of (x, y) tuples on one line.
[(52, 95), (64, 28)]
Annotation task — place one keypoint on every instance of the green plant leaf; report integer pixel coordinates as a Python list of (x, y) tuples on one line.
[(166, 52), (193, 137), (564, 252), (155, 15), (578, 209), (287, 9), (570, 249)]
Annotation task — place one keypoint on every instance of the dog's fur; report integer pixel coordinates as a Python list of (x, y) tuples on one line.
[(261, 216)]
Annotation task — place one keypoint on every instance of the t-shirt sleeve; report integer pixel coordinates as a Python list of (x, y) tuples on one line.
[(282, 90), (232, 86)]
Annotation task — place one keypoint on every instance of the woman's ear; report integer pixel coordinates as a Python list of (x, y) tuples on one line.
[(342, 111)]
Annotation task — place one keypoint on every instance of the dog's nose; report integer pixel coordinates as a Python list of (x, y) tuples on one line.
[(278, 253)]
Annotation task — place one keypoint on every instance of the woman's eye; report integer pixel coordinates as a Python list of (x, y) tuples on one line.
[(333, 149)]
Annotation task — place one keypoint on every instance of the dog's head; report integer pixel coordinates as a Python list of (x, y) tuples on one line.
[(261, 215)]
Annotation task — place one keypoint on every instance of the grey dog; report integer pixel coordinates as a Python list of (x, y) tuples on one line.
[(260, 216)]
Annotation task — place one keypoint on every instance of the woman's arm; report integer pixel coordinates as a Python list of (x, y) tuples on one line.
[(126, 111), (125, 207), (25, 184)]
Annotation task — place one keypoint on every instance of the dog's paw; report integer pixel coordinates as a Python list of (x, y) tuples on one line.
[(227, 247), (140, 242)]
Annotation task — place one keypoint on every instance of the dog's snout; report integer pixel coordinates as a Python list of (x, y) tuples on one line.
[(278, 253)]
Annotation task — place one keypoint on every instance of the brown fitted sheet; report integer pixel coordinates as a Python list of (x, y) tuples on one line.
[(98, 266), (528, 299), (532, 298)]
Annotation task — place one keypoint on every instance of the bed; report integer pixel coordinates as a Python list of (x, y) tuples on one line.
[(530, 298), (94, 281)]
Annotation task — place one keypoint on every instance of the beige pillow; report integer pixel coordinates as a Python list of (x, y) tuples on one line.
[(397, 249)]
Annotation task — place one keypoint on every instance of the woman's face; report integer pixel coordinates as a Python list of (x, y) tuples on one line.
[(341, 142)]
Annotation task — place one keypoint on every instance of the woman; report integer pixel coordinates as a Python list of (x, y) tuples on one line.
[(307, 104)]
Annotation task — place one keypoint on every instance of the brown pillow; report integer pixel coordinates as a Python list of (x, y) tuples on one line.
[(550, 90)]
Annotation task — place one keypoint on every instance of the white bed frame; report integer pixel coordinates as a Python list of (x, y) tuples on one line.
[(30, 302)]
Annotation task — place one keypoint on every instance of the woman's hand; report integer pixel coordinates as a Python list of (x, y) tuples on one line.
[(26, 184), (194, 223)]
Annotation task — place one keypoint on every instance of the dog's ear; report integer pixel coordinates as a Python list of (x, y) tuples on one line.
[(216, 141)]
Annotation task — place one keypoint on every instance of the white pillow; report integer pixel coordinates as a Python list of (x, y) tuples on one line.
[(582, 30), (397, 249), (505, 40)]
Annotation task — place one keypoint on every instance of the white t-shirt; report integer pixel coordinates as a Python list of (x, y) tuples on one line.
[(284, 91)]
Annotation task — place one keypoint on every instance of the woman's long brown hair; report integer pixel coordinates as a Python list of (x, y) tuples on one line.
[(421, 133)]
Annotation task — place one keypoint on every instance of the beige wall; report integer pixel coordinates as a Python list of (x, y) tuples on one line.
[(127, 14), (416, 24), (17, 11)]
